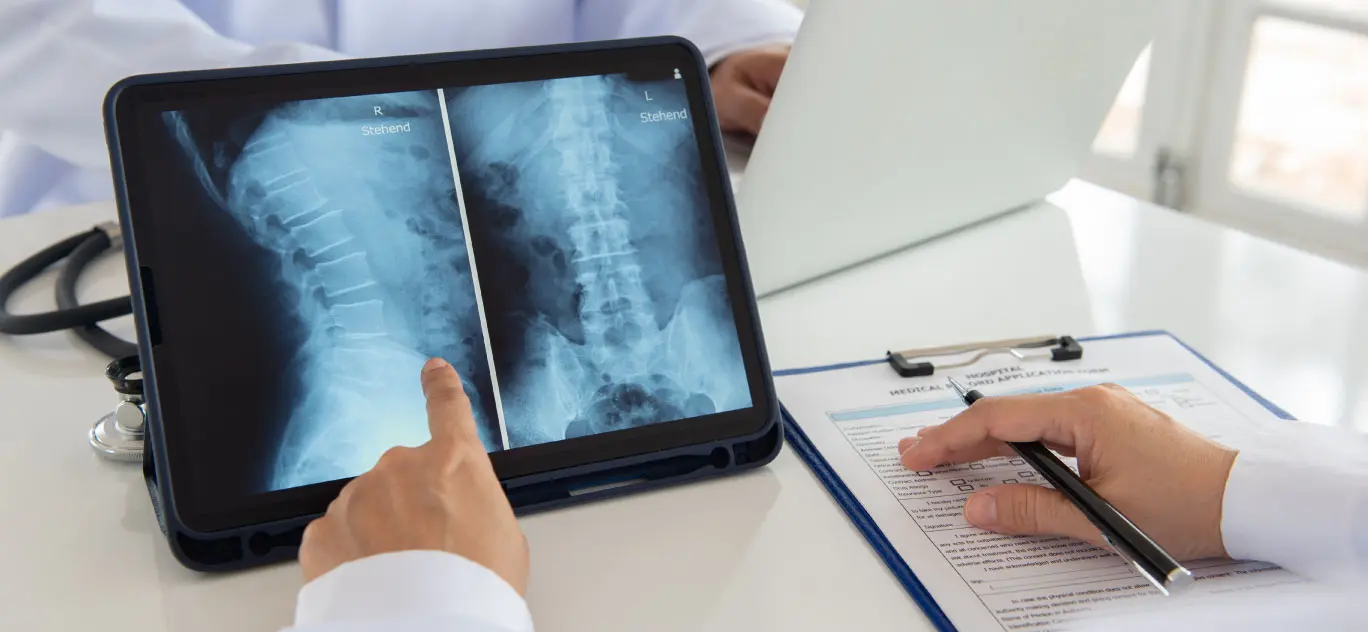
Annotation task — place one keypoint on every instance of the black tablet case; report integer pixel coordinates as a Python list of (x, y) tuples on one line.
[(279, 541)]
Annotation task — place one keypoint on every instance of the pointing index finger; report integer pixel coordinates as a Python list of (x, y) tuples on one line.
[(450, 419)]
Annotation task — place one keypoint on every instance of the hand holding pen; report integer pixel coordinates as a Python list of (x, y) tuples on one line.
[(1128, 453)]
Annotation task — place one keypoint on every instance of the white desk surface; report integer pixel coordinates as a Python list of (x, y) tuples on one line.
[(768, 550)]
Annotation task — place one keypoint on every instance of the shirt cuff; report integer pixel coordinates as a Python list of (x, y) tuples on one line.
[(1296, 515), (750, 24), (412, 585), (716, 54)]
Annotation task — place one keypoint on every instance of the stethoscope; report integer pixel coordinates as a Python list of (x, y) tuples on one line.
[(120, 433)]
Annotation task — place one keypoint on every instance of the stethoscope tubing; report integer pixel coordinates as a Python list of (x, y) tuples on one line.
[(94, 335), (95, 240), (119, 434)]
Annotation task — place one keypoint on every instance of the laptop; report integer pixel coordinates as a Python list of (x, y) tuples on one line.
[(898, 121)]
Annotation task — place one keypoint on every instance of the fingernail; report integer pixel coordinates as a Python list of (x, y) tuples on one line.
[(923, 430), (907, 443), (429, 372), (981, 510)]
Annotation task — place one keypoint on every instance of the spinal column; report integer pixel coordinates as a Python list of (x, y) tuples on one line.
[(321, 250), (351, 408), (615, 310)]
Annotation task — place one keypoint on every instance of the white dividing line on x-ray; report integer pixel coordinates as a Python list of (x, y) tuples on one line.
[(474, 273)]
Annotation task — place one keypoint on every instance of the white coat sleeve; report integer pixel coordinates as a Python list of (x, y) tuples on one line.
[(59, 57), (1301, 501), (718, 27), (411, 591), (1307, 606)]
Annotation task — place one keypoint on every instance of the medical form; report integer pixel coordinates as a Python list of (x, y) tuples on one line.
[(855, 415)]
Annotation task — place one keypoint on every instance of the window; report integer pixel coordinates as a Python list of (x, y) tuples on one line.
[(1253, 113), (1302, 131)]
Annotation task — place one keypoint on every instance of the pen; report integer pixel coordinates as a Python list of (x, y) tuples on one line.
[(1153, 562)]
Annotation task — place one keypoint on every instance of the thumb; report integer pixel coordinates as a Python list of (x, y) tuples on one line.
[(1028, 510), (448, 409)]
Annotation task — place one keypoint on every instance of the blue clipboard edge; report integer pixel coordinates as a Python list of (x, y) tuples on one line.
[(794, 435), (1263, 401)]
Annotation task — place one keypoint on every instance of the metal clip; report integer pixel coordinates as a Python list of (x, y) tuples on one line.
[(916, 362)]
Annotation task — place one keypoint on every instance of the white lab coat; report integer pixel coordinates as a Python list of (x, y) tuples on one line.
[(1297, 497), (58, 57)]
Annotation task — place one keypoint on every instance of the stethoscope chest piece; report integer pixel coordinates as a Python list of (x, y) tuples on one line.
[(116, 436), (120, 434)]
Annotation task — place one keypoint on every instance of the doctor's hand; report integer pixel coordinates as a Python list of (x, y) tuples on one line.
[(743, 84), (1165, 478), (442, 495)]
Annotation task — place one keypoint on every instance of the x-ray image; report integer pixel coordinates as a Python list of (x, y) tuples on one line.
[(602, 284), (355, 198), (588, 295)]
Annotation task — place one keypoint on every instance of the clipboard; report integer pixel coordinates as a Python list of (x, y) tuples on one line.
[(796, 438)]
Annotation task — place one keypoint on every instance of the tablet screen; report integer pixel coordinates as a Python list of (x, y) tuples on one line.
[(553, 239)]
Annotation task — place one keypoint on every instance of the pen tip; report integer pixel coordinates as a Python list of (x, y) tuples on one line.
[(1179, 579), (959, 388)]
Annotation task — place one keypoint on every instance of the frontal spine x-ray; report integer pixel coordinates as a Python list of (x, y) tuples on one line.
[(604, 292), (356, 197)]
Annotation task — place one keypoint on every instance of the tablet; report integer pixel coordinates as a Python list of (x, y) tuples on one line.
[(555, 222)]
